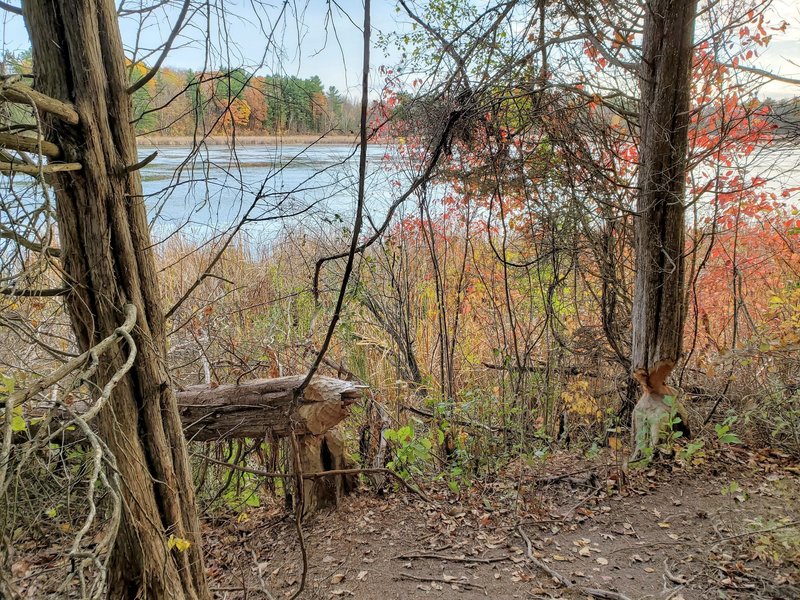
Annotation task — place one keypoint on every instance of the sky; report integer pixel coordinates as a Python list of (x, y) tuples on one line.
[(328, 43)]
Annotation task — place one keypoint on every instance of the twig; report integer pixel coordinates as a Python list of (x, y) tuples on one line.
[(167, 47), (673, 578), (563, 580), (464, 559), (757, 532), (465, 584), (299, 507), (359, 217)]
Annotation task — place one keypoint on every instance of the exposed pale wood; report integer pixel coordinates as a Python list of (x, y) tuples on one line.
[(27, 143), (16, 92), (16, 167), (252, 408), (320, 453)]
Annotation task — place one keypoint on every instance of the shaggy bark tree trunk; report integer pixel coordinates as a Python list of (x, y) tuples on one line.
[(105, 248), (658, 313)]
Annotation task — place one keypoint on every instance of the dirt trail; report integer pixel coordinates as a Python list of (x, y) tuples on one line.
[(669, 535)]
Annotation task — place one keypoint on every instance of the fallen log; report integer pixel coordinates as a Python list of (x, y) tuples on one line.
[(252, 408)]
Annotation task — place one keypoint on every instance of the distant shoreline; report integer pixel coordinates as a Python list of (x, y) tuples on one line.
[(248, 140)]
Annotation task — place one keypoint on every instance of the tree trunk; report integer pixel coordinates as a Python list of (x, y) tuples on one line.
[(105, 243), (255, 407), (658, 313)]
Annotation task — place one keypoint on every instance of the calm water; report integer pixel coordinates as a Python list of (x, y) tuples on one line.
[(278, 188), (270, 188)]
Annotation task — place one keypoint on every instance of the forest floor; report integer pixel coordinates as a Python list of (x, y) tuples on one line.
[(725, 528)]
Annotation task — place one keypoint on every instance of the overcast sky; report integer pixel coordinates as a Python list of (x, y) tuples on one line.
[(328, 44)]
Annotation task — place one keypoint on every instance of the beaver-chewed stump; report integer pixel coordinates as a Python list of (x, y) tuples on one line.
[(261, 407)]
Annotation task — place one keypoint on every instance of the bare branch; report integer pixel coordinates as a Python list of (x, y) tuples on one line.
[(15, 92), (29, 144), (11, 8), (167, 47), (12, 167)]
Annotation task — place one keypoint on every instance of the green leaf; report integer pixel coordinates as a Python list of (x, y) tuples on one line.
[(18, 424)]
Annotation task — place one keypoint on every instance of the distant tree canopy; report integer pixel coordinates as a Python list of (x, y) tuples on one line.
[(175, 102)]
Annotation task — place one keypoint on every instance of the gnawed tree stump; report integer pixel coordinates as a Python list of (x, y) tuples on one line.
[(319, 453), (253, 408)]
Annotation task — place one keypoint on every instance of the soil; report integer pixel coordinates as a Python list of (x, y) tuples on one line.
[(723, 528)]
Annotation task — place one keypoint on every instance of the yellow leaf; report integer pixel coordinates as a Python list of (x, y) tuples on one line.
[(175, 542)]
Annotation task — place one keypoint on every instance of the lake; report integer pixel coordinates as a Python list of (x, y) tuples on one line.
[(271, 187), (277, 188)]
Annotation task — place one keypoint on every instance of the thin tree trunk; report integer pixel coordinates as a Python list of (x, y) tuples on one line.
[(105, 243), (658, 307)]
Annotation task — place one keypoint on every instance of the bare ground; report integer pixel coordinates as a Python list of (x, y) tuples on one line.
[(727, 528)]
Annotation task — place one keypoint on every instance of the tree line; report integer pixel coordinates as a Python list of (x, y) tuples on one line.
[(179, 102)]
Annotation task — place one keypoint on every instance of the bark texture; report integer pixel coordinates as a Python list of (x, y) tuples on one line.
[(658, 312), (255, 407), (105, 248)]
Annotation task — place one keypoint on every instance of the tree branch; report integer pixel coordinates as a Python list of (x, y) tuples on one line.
[(11, 8), (167, 47), (15, 92)]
